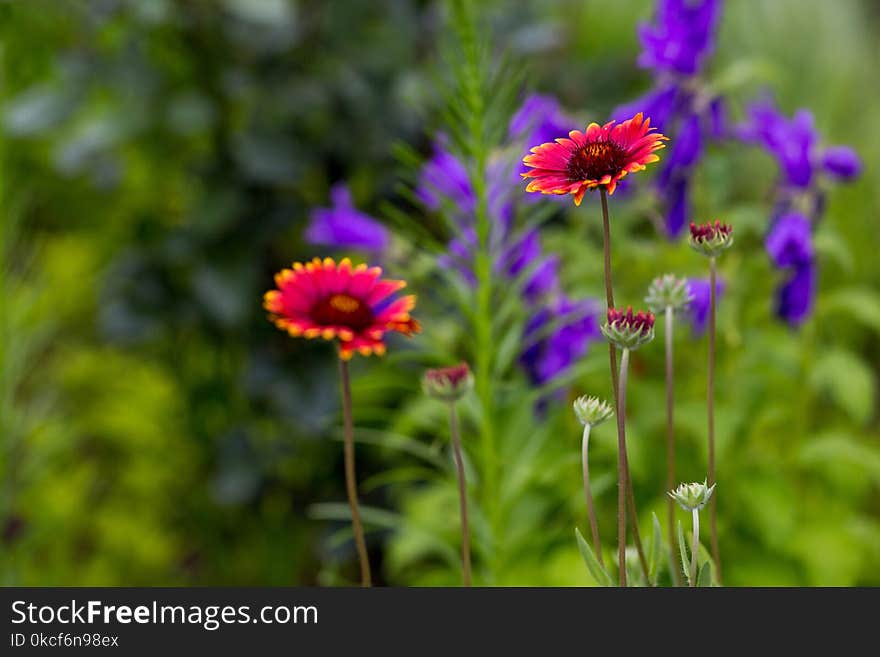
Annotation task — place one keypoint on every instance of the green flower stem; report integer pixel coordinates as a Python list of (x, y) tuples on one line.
[(591, 511), (462, 497), (350, 486), (695, 548), (716, 555), (612, 354), (670, 436)]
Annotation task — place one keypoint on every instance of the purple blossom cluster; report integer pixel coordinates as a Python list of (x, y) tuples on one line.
[(559, 329), (805, 167), (674, 48), (344, 226), (698, 308)]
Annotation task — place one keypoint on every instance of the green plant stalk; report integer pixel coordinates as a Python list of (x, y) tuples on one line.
[(350, 485), (462, 497), (591, 511), (612, 354), (695, 548), (670, 435), (474, 86), (716, 554)]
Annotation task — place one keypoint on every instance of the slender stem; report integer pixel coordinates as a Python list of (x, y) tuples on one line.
[(716, 555), (609, 287), (462, 497), (350, 486), (612, 357), (591, 511), (695, 548), (634, 522), (621, 469), (670, 437)]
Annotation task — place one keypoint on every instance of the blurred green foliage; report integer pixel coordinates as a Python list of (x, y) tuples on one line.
[(159, 160)]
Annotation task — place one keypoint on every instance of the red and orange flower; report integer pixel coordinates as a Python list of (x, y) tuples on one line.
[(598, 157), (323, 299)]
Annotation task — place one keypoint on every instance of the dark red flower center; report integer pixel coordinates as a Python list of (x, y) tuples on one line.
[(343, 310), (594, 160)]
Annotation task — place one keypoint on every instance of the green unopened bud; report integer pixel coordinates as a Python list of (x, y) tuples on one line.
[(448, 383), (592, 410), (668, 291), (692, 496)]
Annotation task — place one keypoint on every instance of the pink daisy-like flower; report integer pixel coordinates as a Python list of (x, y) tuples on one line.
[(321, 299), (598, 157)]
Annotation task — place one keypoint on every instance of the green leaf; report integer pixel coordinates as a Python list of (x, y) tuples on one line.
[(831, 245), (841, 448), (862, 304), (848, 380), (509, 348), (596, 570), (656, 550), (705, 576), (685, 562)]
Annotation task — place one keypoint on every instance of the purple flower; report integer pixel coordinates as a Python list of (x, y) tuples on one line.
[(841, 162), (790, 241), (698, 308), (794, 300), (538, 120), (791, 141), (677, 204), (685, 152), (559, 336), (660, 104), (681, 36), (444, 180), (525, 255), (343, 226)]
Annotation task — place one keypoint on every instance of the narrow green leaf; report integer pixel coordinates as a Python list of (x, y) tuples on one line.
[(596, 570), (705, 576), (685, 562), (656, 550)]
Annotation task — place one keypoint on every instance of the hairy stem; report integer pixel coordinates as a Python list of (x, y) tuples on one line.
[(695, 548), (716, 555), (462, 497), (591, 511), (350, 486), (670, 437)]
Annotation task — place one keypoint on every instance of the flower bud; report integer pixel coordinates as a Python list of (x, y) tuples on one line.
[(448, 383), (711, 239), (668, 291), (592, 411), (628, 331), (692, 496)]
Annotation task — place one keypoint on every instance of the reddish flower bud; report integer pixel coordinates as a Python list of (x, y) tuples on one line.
[(448, 383), (628, 330), (711, 239)]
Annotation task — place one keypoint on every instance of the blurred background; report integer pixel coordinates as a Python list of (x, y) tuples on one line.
[(161, 159)]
